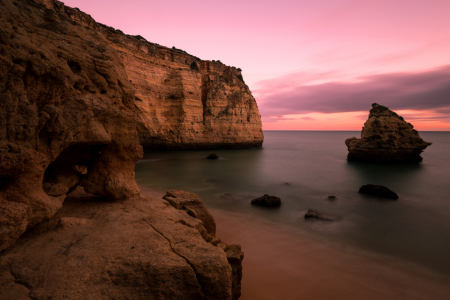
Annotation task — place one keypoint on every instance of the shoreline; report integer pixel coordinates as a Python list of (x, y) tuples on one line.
[(283, 263)]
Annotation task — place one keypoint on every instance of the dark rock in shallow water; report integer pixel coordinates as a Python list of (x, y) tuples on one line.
[(331, 197), (267, 201), (386, 137), (378, 190), (212, 156), (314, 214)]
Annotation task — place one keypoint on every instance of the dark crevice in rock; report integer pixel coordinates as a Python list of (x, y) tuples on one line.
[(187, 261), (18, 280), (66, 172), (206, 85), (4, 181), (74, 66)]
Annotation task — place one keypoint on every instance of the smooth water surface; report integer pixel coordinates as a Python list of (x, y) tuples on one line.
[(303, 168)]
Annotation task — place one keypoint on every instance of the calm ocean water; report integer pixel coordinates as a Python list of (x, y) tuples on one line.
[(303, 168)]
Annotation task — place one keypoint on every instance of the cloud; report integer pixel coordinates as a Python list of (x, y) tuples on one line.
[(307, 118), (428, 90), (275, 119)]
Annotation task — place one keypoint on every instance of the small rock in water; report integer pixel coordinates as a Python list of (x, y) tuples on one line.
[(212, 156), (331, 197), (267, 201), (378, 190), (314, 214)]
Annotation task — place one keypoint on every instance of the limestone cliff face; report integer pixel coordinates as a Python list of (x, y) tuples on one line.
[(386, 136), (183, 102), (68, 122), (67, 117)]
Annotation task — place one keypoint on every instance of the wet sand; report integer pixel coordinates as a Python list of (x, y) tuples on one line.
[(282, 262)]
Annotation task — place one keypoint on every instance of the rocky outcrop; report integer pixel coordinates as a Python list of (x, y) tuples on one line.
[(386, 137), (67, 117), (193, 205), (267, 201), (212, 156), (68, 122), (378, 191), (135, 249), (183, 102), (316, 215)]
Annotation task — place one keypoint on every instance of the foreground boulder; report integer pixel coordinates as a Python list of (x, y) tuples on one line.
[(378, 190), (386, 137), (136, 249), (193, 205), (267, 201)]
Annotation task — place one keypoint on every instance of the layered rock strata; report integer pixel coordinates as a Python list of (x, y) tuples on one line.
[(386, 137), (68, 123), (183, 102)]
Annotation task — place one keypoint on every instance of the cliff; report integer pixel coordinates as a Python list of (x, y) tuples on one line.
[(183, 102), (68, 122), (386, 137)]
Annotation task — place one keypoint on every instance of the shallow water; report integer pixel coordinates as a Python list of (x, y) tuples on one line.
[(303, 168)]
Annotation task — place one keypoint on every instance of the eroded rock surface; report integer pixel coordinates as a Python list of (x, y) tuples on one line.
[(183, 102), (135, 249), (67, 116), (68, 122), (386, 137), (193, 205)]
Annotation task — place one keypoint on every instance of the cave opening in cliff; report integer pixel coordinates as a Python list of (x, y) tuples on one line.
[(64, 174)]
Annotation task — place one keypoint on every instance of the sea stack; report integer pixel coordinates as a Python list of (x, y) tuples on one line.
[(386, 137)]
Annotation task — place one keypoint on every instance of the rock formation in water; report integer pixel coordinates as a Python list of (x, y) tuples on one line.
[(316, 215), (378, 191), (183, 102), (267, 201), (68, 122), (386, 137)]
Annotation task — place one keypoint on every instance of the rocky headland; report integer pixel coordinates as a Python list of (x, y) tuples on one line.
[(183, 102), (73, 223), (386, 137)]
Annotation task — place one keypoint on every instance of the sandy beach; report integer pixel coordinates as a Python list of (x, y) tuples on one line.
[(283, 263)]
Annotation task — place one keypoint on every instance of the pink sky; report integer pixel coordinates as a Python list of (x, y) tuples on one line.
[(307, 62)]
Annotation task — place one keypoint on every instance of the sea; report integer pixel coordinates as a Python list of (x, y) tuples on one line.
[(304, 168)]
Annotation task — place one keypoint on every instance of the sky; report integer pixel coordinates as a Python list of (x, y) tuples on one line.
[(311, 64)]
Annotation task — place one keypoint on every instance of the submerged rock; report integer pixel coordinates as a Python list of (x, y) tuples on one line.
[(267, 201), (212, 156), (314, 214), (386, 137), (331, 197), (378, 190)]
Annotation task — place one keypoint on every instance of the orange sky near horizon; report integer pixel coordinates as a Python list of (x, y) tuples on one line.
[(352, 121)]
